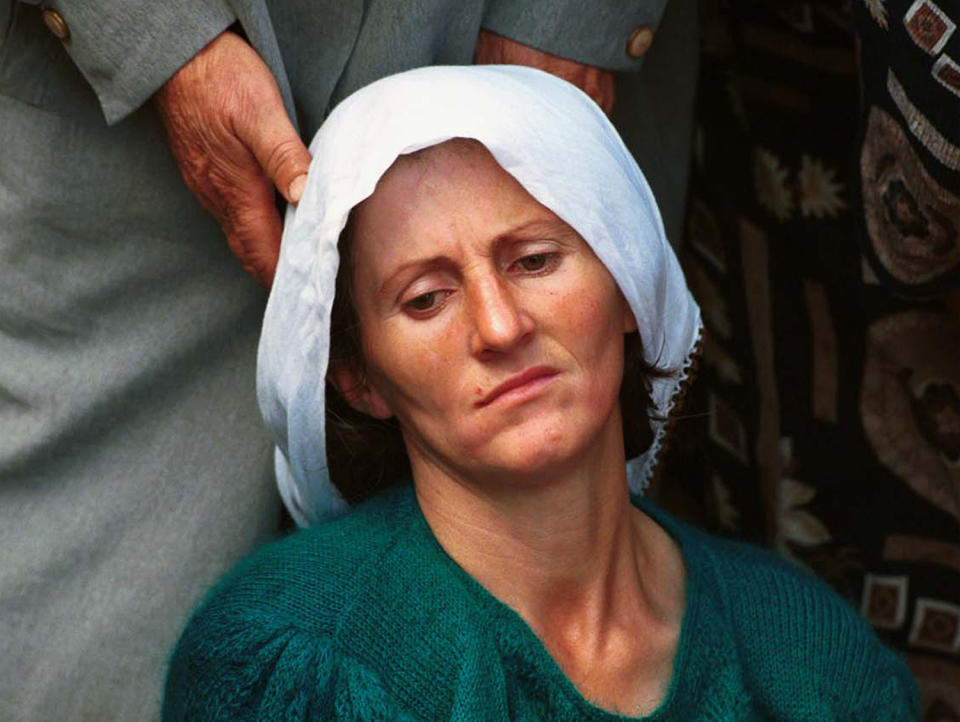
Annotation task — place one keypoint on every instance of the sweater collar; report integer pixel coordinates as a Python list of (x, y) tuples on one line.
[(706, 651)]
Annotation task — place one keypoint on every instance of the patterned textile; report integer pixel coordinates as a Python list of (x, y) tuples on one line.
[(822, 244)]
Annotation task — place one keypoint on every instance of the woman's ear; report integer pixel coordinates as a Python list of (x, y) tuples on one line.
[(362, 397)]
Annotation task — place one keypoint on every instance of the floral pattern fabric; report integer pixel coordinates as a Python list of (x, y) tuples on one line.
[(822, 244)]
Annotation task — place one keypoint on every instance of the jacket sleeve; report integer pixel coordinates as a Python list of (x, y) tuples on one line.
[(127, 50), (594, 33)]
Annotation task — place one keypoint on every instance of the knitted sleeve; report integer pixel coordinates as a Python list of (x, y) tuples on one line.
[(897, 698), (244, 666)]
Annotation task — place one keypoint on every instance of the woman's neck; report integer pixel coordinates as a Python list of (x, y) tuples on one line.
[(599, 582)]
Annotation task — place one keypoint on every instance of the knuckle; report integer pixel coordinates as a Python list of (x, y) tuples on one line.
[(282, 157)]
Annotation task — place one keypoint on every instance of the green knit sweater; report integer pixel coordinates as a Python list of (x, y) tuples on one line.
[(367, 618)]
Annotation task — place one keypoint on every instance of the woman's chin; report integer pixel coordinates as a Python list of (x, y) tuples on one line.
[(532, 457), (542, 447)]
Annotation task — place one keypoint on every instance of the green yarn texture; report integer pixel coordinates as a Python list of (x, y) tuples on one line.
[(366, 618)]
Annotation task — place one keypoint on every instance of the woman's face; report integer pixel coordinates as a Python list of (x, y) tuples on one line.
[(489, 328)]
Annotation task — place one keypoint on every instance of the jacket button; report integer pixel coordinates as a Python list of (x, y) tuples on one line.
[(56, 24), (639, 42)]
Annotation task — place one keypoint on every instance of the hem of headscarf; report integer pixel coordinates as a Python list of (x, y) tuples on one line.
[(678, 394)]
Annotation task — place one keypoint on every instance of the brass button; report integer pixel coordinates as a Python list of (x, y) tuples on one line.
[(56, 24), (639, 42)]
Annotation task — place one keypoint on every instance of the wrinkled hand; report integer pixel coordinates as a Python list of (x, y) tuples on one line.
[(496, 49), (233, 142)]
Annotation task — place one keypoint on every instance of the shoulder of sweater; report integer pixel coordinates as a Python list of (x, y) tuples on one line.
[(312, 577), (794, 633), (761, 580), (339, 580), (368, 594)]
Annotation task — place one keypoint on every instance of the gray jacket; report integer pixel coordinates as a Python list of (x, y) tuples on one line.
[(126, 51)]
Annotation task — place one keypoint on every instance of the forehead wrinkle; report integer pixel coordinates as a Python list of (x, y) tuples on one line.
[(537, 227)]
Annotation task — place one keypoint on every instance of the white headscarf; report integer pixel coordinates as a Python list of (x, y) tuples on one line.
[(543, 131)]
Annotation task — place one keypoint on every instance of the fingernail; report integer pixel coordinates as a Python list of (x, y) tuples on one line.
[(296, 188)]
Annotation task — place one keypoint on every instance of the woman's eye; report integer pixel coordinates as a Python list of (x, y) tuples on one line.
[(423, 302), (536, 262)]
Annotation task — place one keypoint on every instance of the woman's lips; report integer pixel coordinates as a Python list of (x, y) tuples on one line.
[(527, 381)]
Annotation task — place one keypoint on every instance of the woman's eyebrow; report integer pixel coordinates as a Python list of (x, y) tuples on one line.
[(537, 226), (424, 264)]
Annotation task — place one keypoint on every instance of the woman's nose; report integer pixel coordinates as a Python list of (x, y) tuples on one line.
[(499, 322)]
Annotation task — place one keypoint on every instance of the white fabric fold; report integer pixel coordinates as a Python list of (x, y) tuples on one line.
[(561, 148)]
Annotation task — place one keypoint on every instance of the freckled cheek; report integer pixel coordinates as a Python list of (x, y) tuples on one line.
[(589, 320), (423, 367), (590, 327)]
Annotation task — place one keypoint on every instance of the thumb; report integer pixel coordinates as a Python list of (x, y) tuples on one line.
[(278, 149)]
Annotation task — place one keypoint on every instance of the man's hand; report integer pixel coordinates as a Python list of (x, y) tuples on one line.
[(496, 49), (233, 142)]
